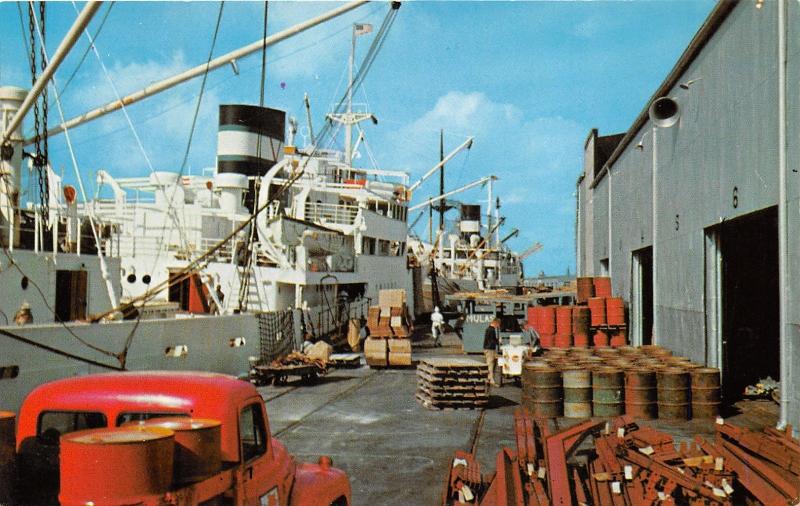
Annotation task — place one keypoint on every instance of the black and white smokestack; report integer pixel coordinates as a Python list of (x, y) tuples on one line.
[(238, 139)]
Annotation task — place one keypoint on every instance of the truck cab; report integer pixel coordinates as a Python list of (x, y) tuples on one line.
[(257, 469)]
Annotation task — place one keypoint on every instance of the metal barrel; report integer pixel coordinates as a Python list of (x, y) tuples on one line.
[(562, 341), (615, 311), (581, 320), (619, 337), (547, 340), (563, 320), (629, 351), (7, 453), (600, 338), (577, 392), (597, 308), (608, 392), (706, 392), (542, 391), (198, 446), (584, 290), (673, 394), (602, 286), (580, 351), (545, 319), (641, 397), (115, 465), (655, 350)]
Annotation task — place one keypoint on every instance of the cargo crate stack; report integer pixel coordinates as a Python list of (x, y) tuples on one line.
[(597, 319), (390, 328)]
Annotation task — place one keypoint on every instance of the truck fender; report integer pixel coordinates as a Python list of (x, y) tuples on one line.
[(319, 485)]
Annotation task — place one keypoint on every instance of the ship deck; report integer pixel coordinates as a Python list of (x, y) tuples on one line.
[(398, 452)]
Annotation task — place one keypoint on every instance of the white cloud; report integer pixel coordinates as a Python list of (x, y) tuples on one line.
[(587, 28), (536, 159)]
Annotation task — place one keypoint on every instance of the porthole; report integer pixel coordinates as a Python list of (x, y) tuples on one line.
[(131, 278), (24, 282), (146, 279), (9, 372)]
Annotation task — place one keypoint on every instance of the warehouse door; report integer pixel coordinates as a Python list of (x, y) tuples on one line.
[(750, 301), (642, 296)]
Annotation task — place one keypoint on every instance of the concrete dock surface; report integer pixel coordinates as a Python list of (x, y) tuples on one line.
[(397, 452)]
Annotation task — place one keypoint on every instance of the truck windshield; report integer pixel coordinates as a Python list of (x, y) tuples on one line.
[(53, 424)]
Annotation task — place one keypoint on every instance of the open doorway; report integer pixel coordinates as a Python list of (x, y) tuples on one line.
[(642, 297), (750, 301)]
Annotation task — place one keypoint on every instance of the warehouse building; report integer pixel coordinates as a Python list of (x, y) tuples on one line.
[(695, 211)]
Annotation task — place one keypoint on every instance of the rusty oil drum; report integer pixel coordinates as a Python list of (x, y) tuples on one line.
[(602, 286), (198, 446), (584, 289), (597, 307), (641, 395), (563, 320), (608, 392), (7, 452), (673, 394), (542, 391), (581, 320), (615, 311), (577, 392), (115, 466), (706, 392)]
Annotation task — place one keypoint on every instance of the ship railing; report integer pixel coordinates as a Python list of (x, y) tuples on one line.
[(340, 214)]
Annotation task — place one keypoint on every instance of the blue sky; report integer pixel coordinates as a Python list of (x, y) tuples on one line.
[(527, 79)]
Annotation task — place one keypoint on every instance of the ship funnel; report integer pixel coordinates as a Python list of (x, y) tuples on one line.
[(664, 112), (470, 220), (250, 139)]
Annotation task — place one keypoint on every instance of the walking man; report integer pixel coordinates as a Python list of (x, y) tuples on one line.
[(437, 326), (491, 339)]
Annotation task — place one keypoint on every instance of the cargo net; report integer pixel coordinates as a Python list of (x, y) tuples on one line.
[(276, 331), (329, 322)]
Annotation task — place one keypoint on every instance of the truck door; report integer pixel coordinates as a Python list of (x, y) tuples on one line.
[(261, 478)]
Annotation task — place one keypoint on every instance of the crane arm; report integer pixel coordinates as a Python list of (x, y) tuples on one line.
[(199, 70), (465, 145), (530, 251), (473, 184)]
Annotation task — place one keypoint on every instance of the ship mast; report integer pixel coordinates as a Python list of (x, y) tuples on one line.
[(350, 118)]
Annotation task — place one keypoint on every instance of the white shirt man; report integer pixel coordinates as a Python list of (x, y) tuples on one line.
[(437, 325)]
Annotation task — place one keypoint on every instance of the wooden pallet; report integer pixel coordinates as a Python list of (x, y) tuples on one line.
[(452, 383)]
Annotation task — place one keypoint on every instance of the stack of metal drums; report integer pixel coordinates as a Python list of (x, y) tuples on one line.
[(646, 382)]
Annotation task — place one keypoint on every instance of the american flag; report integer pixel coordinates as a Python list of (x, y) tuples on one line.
[(362, 28)]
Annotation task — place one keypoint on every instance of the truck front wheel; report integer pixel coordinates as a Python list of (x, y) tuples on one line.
[(342, 501)]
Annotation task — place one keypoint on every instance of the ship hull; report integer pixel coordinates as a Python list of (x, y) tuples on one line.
[(213, 343)]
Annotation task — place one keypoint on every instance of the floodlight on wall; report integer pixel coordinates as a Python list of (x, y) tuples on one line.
[(687, 84), (664, 112), (640, 144)]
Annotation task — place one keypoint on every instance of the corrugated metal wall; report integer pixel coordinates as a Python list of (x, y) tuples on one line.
[(726, 141)]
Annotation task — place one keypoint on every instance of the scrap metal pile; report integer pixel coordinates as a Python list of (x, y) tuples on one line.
[(630, 465)]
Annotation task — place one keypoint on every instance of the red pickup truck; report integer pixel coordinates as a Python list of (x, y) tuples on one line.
[(255, 469)]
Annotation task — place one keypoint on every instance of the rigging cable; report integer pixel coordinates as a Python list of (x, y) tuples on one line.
[(171, 212), (194, 122), (129, 339), (204, 258), (245, 273), (103, 267)]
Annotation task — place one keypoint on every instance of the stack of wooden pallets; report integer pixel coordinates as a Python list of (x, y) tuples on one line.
[(452, 383)]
